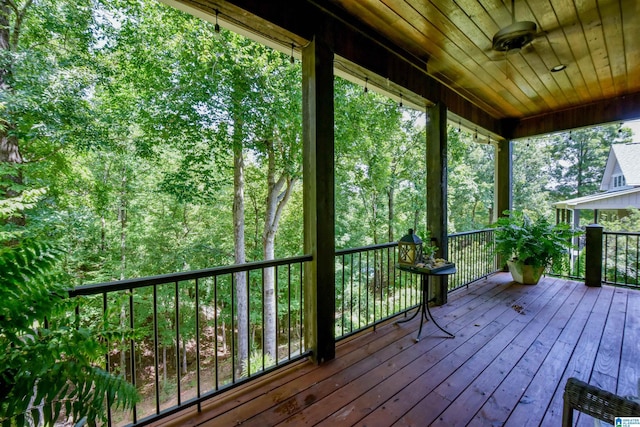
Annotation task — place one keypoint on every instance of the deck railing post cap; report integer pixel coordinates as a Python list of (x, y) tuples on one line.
[(595, 226)]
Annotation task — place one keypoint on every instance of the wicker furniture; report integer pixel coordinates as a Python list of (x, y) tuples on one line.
[(595, 402)]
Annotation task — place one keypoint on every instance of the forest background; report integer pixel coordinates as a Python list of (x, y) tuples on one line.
[(123, 124)]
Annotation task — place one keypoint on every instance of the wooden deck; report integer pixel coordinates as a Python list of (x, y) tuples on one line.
[(514, 349)]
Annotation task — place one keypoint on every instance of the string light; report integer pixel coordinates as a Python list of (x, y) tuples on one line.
[(475, 135), (620, 128), (292, 60), (366, 82), (400, 100), (216, 27), (459, 126)]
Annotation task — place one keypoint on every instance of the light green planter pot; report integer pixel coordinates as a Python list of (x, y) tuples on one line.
[(525, 274)]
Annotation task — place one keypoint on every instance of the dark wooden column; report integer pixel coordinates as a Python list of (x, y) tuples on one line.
[(437, 190), (503, 178), (502, 186), (593, 255), (319, 206)]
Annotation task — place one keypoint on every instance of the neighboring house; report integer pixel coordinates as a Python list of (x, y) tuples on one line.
[(620, 187)]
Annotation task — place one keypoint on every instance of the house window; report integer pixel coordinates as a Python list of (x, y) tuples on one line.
[(619, 181)]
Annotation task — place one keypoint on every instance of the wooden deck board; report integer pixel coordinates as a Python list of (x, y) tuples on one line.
[(514, 349)]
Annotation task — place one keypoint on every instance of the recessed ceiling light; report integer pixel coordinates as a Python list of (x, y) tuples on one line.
[(558, 67)]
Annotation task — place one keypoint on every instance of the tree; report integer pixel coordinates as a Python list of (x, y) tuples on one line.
[(579, 157), (470, 182), (381, 150), (530, 177)]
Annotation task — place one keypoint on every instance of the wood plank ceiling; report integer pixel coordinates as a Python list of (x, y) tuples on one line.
[(512, 94), (598, 41)]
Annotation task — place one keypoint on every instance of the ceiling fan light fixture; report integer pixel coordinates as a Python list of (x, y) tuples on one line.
[(558, 67), (514, 36)]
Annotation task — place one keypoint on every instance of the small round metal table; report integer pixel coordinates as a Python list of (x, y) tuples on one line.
[(423, 306)]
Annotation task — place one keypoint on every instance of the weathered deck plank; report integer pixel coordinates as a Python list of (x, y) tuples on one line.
[(515, 346)]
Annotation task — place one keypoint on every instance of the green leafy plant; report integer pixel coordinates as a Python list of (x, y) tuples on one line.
[(535, 242), (48, 362)]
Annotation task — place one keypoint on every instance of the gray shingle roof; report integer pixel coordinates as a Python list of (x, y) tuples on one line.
[(628, 156)]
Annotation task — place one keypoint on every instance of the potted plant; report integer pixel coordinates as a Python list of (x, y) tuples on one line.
[(531, 245)]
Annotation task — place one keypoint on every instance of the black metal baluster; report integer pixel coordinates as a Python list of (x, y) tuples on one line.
[(277, 319), (637, 259), (604, 255), (132, 351), (248, 287), (302, 346), (615, 277), (215, 327), (289, 311), (177, 323), (155, 345), (233, 334), (343, 309), (360, 290), (626, 258), (264, 332), (198, 381), (388, 281), (367, 279), (108, 361), (350, 290)]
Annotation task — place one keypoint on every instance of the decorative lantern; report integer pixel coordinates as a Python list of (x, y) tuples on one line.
[(410, 249)]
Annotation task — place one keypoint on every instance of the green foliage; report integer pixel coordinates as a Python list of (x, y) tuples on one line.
[(470, 182), (257, 362), (380, 175), (535, 242), (629, 222), (578, 158), (48, 361)]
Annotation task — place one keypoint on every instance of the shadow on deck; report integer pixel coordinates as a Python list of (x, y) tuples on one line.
[(514, 349)]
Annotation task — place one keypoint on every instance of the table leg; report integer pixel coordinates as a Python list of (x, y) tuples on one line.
[(436, 323), (420, 306)]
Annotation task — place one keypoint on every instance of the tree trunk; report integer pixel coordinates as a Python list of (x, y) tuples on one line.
[(278, 194), (123, 343), (122, 218), (184, 356), (224, 339), (391, 198), (242, 293), (9, 146), (164, 364)]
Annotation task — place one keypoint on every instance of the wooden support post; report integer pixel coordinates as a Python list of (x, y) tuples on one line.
[(503, 178), (437, 190), (593, 255), (319, 206)]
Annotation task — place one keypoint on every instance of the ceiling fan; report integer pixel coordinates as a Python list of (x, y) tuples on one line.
[(515, 36)]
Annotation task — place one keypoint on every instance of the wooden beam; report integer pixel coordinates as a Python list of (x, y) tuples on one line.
[(437, 190), (610, 110), (318, 200), (288, 21)]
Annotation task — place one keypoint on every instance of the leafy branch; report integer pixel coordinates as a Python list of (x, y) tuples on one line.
[(48, 366)]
